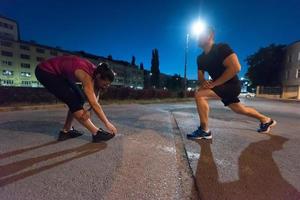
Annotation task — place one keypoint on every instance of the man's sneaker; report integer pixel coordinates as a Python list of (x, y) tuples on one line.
[(70, 134), (102, 136), (266, 127), (200, 134)]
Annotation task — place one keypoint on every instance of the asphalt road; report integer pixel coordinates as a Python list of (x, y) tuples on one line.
[(150, 157)]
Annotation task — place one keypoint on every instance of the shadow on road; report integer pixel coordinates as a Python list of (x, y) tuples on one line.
[(259, 176), (20, 151), (9, 173), (44, 127)]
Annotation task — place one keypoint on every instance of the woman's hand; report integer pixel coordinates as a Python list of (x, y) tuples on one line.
[(111, 127), (86, 115)]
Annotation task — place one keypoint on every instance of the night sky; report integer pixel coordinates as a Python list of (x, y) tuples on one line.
[(134, 27)]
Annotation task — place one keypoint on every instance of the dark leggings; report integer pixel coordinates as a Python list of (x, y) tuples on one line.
[(65, 90)]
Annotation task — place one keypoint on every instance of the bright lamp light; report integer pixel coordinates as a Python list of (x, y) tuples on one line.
[(198, 28)]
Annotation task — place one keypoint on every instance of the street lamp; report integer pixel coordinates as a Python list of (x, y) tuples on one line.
[(197, 29)]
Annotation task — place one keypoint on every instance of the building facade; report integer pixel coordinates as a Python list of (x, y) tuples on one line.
[(18, 60), (291, 75)]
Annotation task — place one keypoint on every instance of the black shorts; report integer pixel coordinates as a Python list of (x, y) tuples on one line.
[(228, 93), (65, 90)]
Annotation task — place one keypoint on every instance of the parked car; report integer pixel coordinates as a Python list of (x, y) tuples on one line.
[(247, 95)]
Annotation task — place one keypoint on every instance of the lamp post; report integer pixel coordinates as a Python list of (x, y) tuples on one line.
[(185, 63), (198, 28)]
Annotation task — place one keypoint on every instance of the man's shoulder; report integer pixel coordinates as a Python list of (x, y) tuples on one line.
[(200, 57), (222, 45)]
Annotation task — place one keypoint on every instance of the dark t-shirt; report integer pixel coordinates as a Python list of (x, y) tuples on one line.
[(213, 62)]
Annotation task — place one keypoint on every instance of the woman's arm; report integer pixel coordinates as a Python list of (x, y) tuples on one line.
[(88, 88)]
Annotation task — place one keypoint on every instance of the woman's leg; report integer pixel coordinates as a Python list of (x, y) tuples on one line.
[(68, 122), (80, 116)]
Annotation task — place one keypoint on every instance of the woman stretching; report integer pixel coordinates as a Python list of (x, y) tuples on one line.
[(60, 74)]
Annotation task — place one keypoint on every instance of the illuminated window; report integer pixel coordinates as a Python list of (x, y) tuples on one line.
[(7, 73), (25, 74)]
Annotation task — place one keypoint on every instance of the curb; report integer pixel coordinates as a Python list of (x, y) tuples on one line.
[(32, 107), (280, 100)]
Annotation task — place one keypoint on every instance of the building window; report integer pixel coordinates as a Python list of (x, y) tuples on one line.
[(298, 73), (6, 36), (6, 44), (5, 62), (7, 53), (287, 74), (25, 56), (53, 53), (26, 83), (25, 74), (25, 65), (7, 82), (39, 50), (7, 73), (24, 47), (289, 58), (5, 25), (40, 59)]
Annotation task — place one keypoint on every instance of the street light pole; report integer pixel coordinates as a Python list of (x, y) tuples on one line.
[(185, 63)]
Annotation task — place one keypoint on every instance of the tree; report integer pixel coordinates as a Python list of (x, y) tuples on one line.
[(155, 69), (141, 66), (266, 66), (133, 61)]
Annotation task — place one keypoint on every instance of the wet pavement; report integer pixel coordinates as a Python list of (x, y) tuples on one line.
[(150, 157)]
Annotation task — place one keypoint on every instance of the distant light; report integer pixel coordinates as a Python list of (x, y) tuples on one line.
[(198, 28), (189, 89), (242, 78)]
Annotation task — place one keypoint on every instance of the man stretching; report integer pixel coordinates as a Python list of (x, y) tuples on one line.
[(222, 65)]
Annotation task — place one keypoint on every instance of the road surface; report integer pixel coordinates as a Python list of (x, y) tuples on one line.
[(150, 157)]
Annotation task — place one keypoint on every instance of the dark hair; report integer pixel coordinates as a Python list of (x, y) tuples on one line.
[(105, 72)]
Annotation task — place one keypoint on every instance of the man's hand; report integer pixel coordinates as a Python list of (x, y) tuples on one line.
[(208, 85), (111, 127)]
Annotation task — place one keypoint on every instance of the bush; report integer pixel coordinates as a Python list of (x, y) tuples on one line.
[(15, 95), (129, 93)]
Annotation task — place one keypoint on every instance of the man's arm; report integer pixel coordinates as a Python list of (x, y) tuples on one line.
[(201, 77), (233, 67)]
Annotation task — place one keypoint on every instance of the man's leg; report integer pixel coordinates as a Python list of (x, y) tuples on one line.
[(244, 110), (201, 96)]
